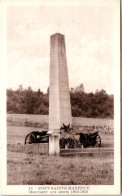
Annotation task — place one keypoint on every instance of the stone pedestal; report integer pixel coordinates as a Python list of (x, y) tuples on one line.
[(54, 148), (59, 96)]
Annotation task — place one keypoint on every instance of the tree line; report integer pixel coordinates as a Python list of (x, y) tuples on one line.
[(90, 105)]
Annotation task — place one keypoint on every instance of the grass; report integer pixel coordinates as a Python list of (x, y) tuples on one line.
[(30, 169), (34, 169), (28, 120), (41, 121)]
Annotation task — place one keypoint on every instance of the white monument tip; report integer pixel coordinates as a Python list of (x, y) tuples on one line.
[(57, 34)]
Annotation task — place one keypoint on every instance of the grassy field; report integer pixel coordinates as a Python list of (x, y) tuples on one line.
[(41, 121), (35, 169), (31, 169)]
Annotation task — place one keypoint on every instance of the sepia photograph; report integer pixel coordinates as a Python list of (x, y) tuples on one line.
[(60, 97)]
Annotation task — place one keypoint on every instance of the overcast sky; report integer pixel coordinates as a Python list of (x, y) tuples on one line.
[(89, 45)]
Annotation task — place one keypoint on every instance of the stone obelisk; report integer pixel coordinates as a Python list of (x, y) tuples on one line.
[(59, 96)]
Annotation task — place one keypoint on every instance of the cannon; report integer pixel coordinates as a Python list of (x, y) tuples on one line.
[(41, 137), (37, 137), (90, 140), (85, 141)]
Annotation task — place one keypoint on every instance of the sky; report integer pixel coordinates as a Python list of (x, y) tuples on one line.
[(88, 34)]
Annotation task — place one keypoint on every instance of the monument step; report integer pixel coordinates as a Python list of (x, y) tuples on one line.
[(86, 150), (101, 152)]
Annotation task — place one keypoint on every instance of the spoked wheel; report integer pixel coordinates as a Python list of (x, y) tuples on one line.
[(98, 141), (30, 138)]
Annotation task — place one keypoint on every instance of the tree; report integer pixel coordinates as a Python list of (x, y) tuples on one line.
[(20, 88), (91, 105), (79, 88)]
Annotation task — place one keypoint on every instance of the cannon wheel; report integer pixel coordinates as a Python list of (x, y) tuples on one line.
[(98, 141), (30, 138)]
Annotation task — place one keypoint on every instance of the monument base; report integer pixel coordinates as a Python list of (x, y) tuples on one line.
[(54, 147)]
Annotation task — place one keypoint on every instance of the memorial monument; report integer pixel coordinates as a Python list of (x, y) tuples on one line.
[(59, 96)]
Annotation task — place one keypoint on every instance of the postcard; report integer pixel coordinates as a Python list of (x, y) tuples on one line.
[(60, 97)]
